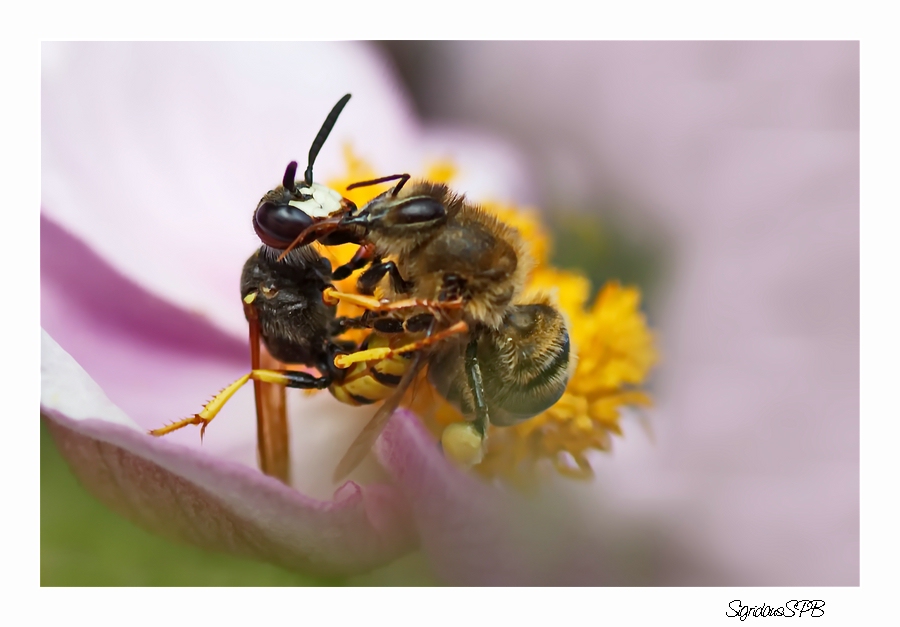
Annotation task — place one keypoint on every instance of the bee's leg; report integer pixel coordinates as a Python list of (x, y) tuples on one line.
[(418, 323), (332, 296), (476, 384), (452, 287), (364, 255), (344, 323), (345, 361), (369, 279), (389, 326), (413, 303), (284, 378), (464, 441)]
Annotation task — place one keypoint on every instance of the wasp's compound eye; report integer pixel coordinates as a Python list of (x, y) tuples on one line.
[(277, 225)]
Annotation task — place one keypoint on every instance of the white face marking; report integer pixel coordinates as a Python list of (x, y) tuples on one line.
[(324, 202), (326, 196)]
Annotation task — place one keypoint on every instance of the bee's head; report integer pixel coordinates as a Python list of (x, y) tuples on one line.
[(398, 220)]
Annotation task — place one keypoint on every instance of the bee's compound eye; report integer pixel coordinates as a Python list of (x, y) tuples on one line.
[(277, 225), (418, 210)]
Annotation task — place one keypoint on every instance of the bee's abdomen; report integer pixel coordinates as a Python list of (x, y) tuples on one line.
[(535, 392)]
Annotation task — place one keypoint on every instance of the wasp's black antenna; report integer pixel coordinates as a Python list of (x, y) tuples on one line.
[(289, 173), (327, 125)]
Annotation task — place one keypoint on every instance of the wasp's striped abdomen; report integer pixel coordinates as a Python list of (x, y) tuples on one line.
[(371, 381)]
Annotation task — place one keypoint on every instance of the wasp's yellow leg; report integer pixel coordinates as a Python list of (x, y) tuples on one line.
[(287, 378)]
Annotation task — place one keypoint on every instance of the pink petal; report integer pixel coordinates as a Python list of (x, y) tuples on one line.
[(747, 153), (487, 167), (475, 534), (159, 364), (155, 361), (155, 155), (191, 496)]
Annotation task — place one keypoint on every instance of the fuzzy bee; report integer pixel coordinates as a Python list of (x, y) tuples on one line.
[(502, 358)]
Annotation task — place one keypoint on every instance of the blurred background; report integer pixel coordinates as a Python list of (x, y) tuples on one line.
[(723, 179)]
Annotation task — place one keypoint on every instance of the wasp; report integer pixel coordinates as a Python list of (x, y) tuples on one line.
[(283, 304)]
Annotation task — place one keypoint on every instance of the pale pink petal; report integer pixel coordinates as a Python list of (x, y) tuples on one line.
[(160, 364), (477, 534), (488, 168), (155, 361), (747, 155), (155, 155), (461, 521), (192, 496)]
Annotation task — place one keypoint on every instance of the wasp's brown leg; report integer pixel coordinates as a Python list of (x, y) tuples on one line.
[(272, 438), (345, 361)]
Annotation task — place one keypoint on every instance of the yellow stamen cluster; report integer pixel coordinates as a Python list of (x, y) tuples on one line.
[(613, 346)]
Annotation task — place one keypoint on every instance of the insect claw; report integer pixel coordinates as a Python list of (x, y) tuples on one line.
[(175, 425)]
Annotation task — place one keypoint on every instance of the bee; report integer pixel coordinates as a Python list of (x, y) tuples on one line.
[(502, 358)]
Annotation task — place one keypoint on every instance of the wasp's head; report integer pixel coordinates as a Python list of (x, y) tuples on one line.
[(291, 208)]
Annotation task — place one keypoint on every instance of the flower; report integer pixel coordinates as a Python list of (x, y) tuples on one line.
[(743, 158), (152, 155)]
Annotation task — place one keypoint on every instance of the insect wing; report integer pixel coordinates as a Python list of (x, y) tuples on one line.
[(366, 438)]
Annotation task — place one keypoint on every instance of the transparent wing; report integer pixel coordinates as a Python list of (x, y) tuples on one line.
[(366, 438)]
